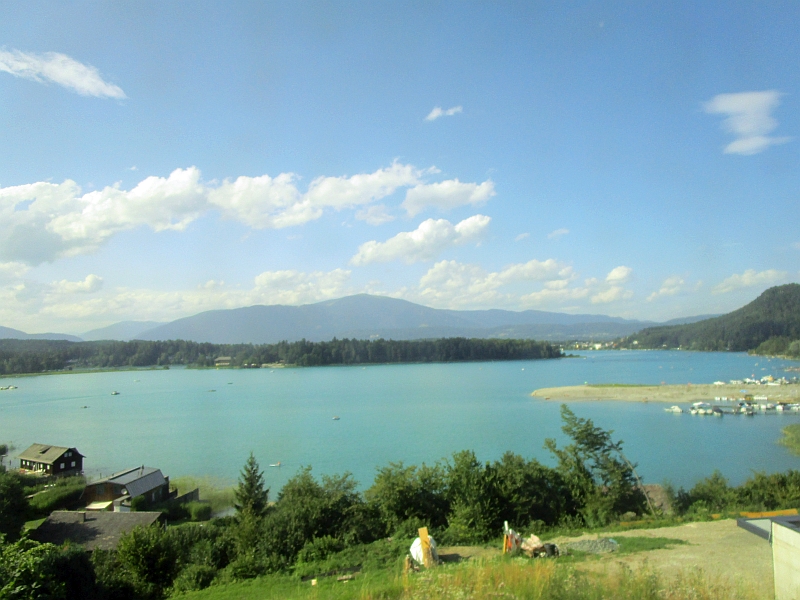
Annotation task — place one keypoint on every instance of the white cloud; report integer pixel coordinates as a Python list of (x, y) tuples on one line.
[(750, 278), (60, 69), (43, 221), (611, 294), (521, 237), (749, 119), (446, 195), (438, 112), (796, 245), (424, 243), (456, 285), (554, 235), (91, 284), (377, 214), (671, 286), (619, 275), (13, 270)]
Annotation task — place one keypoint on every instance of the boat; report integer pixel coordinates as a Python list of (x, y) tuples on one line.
[(115, 393), (674, 409), (335, 418), (277, 464)]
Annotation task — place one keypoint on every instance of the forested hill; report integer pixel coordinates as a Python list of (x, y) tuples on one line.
[(36, 356), (774, 315)]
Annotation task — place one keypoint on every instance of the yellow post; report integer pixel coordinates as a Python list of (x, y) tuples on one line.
[(427, 557)]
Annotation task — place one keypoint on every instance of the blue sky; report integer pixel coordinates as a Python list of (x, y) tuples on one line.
[(160, 159)]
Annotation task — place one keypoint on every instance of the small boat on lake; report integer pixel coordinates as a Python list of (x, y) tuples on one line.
[(335, 418), (277, 464), (674, 409), (115, 393)]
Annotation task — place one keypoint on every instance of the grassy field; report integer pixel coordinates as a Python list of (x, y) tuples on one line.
[(540, 579)]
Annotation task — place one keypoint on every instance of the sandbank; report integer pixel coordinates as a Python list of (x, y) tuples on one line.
[(666, 393)]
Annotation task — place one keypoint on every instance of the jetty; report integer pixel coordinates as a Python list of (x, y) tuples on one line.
[(673, 394)]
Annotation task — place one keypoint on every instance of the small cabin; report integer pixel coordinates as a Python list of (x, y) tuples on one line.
[(222, 361), (117, 491), (51, 460)]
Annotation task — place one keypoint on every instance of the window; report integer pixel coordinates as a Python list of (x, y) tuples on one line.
[(63, 465), (72, 464)]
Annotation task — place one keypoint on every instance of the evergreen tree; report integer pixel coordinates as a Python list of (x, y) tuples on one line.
[(251, 495)]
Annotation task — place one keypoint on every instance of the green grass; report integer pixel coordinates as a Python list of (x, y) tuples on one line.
[(540, 579), (217, 492), (629, 545), (791, 438)]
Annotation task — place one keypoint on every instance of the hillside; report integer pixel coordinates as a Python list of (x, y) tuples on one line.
[(774, 314), (7, 333), (363, 317)]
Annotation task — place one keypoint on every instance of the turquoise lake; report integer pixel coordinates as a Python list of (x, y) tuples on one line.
[(171, 419)]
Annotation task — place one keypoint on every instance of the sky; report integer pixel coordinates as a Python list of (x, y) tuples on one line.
[(162, 159)]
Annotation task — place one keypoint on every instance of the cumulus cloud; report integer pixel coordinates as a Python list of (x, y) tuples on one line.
[(91, 284), (458, 285), (613, 293), (438, 112), (446, 195), (619, 275), (554, 235), (671, 286), (424, 243), (42, 221), (750, 278), (521, 237), (60, 69), (748, 117), (377, 214)]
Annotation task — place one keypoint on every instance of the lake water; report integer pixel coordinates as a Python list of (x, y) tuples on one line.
[(412, 413)]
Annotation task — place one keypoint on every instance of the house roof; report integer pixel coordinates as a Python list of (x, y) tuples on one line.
[(92, 530), (45, 453), (137, 481)]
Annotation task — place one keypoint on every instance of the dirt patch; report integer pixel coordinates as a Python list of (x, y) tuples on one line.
[(719, 548), (459, 553)]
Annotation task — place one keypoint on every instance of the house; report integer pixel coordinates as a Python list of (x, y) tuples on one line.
[(222, 361), (92, 530), (781, 529), (121, 488), (51, 460)]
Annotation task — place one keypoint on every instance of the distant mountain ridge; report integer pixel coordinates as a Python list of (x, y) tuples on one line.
[(364, 316), (775, 313), (360, 317), (16, 334)]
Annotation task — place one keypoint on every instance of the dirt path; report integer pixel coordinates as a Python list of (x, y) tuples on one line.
[(720, 548)]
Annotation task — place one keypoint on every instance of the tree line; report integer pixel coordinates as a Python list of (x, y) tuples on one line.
[(37, 356), (774, 314)]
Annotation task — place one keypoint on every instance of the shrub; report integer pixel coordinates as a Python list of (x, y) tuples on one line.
[(194, 577), (199, 511)]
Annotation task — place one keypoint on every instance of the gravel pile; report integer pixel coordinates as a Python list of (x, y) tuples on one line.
[(598, 546)]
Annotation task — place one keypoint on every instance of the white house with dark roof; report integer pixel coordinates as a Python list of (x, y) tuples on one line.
[(120, 488), (51, 460)]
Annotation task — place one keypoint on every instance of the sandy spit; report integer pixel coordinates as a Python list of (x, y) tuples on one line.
[(667, 393)]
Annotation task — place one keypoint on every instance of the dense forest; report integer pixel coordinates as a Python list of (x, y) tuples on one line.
[(37, 356), (774, 315)]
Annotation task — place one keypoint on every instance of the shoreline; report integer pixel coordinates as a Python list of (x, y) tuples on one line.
[(665, 393)]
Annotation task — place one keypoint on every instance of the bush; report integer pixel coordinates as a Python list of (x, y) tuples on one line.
[(13, 506), (199, 511), (194, 577), (66, 495)]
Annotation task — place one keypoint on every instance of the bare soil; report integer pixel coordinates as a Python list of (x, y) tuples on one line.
[(723, 551)]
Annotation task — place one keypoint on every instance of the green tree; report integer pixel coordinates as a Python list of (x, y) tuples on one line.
[(251, 495), (13, 505), (601, 480), (149, 557)]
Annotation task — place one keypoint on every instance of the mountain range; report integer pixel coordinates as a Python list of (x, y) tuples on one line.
[(363, 317)]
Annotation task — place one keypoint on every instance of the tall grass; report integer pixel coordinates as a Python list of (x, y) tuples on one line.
[(217, 492), (516, 578)]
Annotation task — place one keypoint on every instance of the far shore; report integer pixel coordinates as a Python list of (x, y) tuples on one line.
[(666, 393)]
